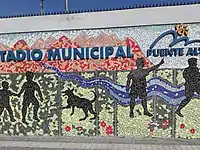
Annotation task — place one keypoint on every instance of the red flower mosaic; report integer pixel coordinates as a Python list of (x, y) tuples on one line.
[(109, 130), (103, 124), (164, 123), (192, 131), (167, 122), (67, 128), (182, 126), (151, 130)]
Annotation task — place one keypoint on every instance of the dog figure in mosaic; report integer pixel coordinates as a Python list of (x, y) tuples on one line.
[(81, 103)]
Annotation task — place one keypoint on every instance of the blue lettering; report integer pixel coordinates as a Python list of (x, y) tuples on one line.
[(38, 52), (196, 51), (54, 54), (28, 55), (78, 53), (181, 52), (120, 52), (149, 52), (2, 54), (10, 56), (109, 51), (166, 52), (20, 55), (101, 53), (87, 53), (69, 50), (128, 50), (162, 52), (154, 52), (170, 52), (94, 49), (175, 51), (190, 52)]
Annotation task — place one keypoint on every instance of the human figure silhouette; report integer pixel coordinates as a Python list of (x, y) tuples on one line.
[(29, 88), (191, 75), (139, 84), (5, 94)]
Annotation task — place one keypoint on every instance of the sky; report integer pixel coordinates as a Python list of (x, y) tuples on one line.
[(17, 7)]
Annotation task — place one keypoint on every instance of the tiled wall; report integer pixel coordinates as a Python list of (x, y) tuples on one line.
[(113, 118)]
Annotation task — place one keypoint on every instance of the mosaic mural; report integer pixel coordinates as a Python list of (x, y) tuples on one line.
[(144, 95)]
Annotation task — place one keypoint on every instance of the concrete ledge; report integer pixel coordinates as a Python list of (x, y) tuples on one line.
[(87, 146), (102, 140)]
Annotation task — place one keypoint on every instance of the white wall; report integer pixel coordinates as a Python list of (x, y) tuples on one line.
[(121, 18)]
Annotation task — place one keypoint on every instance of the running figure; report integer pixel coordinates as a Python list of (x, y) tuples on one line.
[(139, 84), (5, 100), (29, 88), (191, 75)]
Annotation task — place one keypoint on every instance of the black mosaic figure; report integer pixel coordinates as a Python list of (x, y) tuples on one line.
[(139, 84), (29, 88), (191, 75), (81, 103), (5, 94)]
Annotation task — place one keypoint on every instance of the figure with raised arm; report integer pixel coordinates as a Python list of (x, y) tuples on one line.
[(137, 84)]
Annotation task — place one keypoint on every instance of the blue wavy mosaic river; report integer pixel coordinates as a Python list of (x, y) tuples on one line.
[(172, 95)]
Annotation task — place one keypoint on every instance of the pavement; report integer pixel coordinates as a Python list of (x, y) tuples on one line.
[(96, 143)]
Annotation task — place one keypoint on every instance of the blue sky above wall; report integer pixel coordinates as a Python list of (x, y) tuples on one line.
[(20, 7)]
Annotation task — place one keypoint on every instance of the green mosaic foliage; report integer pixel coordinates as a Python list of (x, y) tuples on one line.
[(158, 126), (138, 126), (179, 77), (55, 121), (71, 126), (162, 123), (166, 74), (105, 107), (188, 126), (47, 113)]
